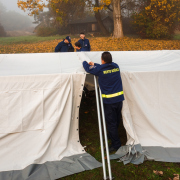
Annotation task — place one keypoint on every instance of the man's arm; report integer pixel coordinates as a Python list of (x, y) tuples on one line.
[(58, 48), (92, 68)]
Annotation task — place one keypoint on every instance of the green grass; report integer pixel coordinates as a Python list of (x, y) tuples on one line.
[(89, 136), (28, 39), (177, 36), (34, 39)]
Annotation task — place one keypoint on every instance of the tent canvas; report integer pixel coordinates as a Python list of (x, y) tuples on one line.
[(151, 111)]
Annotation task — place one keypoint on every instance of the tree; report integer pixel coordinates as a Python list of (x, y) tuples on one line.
[(2, 11), (157, 19), (62, 10), (99, 19), (2, 31), (116, 9), (118, 30), (58, 7)]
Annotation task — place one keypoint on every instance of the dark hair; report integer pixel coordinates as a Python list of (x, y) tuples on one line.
[(107, 57), (78, 44), (82, 33)]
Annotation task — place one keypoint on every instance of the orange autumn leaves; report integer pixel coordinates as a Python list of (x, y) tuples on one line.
[(97, 44)]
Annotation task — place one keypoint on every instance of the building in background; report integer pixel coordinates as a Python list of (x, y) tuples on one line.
[(90, 25)]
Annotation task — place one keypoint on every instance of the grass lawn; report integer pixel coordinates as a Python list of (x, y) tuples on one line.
[(177, 36), (27, 39), (89, 136)]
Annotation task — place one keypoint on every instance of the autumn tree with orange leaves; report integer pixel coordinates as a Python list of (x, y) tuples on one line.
[(158, 18), (62, 10), (60, 6)]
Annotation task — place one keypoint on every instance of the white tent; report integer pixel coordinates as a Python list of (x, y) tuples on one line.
[(39, 102)]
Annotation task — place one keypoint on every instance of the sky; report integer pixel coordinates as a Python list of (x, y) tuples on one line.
[(11, 5)]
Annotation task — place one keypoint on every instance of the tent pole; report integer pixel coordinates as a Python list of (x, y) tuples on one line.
[(100, 129), (105, 136)]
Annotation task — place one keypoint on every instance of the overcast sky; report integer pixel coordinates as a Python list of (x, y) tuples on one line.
[(11, 5)]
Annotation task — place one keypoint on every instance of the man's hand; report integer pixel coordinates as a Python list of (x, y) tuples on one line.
[(91, 63)]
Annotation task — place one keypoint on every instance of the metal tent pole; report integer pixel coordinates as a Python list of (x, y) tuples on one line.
[(105, 136), (100, 129)]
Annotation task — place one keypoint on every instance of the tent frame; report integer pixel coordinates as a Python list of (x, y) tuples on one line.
[(100, 131)]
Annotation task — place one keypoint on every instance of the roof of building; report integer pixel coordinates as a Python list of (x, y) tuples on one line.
[(86, 20)]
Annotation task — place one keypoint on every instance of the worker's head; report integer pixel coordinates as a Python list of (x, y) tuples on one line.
[(78, 45), (82, 35), (106, 58), (67, 40)]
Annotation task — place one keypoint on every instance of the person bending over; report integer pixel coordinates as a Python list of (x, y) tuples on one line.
[(78, 47), (65, 46), (112, 93)]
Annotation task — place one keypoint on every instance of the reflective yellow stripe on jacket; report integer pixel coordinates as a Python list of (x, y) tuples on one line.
[(112, 95)]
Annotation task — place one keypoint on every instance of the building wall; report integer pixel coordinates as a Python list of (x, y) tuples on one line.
[(85, 27), (91, 27), (108, 23)]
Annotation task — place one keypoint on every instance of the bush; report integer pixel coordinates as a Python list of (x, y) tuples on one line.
[(46, 31), (158, 19), (2, 31), (127, 26)]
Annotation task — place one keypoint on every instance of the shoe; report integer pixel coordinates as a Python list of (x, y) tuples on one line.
[(112, 149)]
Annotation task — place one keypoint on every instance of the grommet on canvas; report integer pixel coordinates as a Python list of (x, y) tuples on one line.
[(77, 141), (77, 106), (79, 95), (77, 129), (77, 118)]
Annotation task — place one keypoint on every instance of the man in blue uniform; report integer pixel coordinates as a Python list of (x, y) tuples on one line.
[(84, 43), (65, 45), (112, 93)]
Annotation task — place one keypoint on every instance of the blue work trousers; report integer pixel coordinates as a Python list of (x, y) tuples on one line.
[(113, 117)]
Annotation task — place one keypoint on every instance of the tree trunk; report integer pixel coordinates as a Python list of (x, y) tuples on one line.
[(100, 22), (118, 30)]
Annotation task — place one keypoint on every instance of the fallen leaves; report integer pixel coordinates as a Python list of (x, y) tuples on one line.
[(97, 44), (176, 177), (160, 173)]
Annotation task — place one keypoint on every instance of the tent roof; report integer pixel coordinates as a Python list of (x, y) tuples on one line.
[(54, 63)]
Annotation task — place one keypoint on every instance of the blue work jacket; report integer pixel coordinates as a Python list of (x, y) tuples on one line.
[(63, 47), (109, 81), (80, 50), (85, 44)]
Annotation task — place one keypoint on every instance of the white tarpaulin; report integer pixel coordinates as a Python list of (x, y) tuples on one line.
[(39, 119), (40, 97), (151, 110)]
